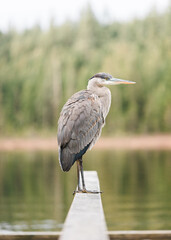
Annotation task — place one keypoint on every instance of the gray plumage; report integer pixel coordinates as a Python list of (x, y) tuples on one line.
[(82, 118), (73, 138)]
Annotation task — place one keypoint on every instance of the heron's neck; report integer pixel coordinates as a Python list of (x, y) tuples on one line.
[(104, 95)]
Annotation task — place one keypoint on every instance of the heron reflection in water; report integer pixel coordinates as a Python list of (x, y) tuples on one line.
[(81, 121)]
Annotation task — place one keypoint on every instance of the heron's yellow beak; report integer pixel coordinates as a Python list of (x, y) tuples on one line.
[(114, 81)]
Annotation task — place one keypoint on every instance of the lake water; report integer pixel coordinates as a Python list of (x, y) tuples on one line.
[(35, 195)]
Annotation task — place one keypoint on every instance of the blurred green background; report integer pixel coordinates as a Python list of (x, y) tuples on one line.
[(41, 69)]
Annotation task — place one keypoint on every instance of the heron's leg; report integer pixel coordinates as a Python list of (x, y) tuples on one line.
[(82, 173), (80, 169), (78, 179), (78, 175)]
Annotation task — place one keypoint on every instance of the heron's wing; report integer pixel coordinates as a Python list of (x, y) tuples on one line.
[(80, 121)]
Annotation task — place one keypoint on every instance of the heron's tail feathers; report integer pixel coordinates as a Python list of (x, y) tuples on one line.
[(66, 159)]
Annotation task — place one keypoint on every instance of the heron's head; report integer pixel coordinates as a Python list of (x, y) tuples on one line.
[(102, 79)]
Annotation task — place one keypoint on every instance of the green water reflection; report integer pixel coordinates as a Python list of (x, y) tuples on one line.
[(36, 195)]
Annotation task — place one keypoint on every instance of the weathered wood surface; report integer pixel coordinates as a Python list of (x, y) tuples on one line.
[(29, 235), (113, 235), (135, 235), (85, 220)]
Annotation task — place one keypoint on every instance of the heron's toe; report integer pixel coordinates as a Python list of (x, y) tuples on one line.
[(86, 191)]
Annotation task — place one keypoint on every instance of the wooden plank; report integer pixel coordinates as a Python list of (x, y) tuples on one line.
[(29, 235), (160, 234), (85, 220), (113, 235)]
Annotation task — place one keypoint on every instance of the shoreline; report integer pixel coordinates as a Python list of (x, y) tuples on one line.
[(141, 142)]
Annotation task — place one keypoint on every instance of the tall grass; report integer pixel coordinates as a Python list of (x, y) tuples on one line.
[(40, 69)]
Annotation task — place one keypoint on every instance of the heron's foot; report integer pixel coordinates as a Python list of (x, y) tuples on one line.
[(91, 191), (86, 191)]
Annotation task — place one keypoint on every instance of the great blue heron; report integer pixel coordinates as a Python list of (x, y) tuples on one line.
[(81, 121)]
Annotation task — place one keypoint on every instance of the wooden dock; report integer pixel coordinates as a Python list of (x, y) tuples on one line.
[(86, 221), (113, 235)]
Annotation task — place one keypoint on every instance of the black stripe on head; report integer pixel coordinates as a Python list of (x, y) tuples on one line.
[(102, 75)]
